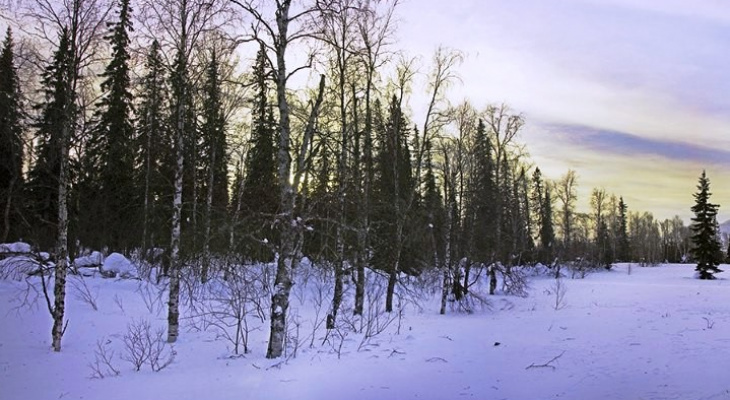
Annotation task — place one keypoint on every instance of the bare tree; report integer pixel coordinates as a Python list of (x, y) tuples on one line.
[(275, 35), (82, 21), (181, 24), (375, 24), (441, 76), (339, 24), (503, 127)]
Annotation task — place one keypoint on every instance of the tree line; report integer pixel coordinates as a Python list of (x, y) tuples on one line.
[(166, 146)]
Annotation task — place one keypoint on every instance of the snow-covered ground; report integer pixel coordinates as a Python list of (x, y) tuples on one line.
[(654, 334)]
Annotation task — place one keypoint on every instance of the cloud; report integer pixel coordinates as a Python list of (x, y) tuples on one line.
[(651, 175), (633, 95), (622, 143)]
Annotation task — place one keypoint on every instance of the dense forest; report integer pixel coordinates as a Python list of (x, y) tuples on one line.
[(172, 132)]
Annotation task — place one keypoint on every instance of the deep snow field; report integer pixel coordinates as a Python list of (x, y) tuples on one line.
[(654, 334)]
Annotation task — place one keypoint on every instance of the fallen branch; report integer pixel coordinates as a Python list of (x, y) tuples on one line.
[(547, 364)]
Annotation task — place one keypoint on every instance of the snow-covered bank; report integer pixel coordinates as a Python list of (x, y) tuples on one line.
[(654, 334)]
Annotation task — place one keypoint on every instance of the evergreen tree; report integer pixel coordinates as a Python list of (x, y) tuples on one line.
[(213, 136), (11, 143), (624, 252), (704, 231), (433, 210), (155, 159), (111, 183), (260, 198), (393, 189), (43, 184), (603, 248), (483, 200), (547, 233)]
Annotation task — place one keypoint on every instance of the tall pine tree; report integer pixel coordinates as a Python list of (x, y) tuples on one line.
[(483, 198), (155, 158), (260, 198), (624, 251), (705, 247), (547, 233), (11, 144), (43, 178), (111, 189), (213, 137)]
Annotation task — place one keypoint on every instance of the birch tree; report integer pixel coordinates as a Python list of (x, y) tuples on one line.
[(76, 25), (375, 27), (180, 24), (288, 26)]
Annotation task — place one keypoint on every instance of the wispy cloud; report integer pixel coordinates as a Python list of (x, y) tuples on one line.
[(611, 143), (631, 94)]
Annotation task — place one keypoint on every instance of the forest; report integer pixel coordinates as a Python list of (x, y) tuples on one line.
[(198, 137)]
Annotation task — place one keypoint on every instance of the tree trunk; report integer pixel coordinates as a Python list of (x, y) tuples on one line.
[(392, 280), (6, 211), (173, 312), (208, 212), (146, 206), (59, 289)]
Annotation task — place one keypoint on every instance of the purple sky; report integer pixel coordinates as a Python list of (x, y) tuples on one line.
[(632, 94)]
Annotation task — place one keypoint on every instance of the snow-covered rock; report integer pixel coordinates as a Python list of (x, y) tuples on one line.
[(17, 247), (95, 259), (119, 265)]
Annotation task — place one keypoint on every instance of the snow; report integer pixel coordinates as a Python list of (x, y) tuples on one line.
[(725, 227), (653, 334), (17, 247), (94, 259), (120, 265)]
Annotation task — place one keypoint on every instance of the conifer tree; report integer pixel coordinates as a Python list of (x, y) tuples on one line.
[(483, 201), (11, 143), (112, 181), (155, 158), (260, 198), (43, 178), (394, 188), (704, 231), (547, 233), (434, 210), (213, 137), (624, 252)]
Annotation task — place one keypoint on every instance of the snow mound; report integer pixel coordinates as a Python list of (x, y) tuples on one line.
[(119, 265), (17, 247), (94, 259)]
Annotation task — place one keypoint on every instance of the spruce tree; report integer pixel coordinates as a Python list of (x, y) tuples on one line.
[(261, 191), (43, 178), (705, 247), (11, 143), (155, 158), (112, 180), (434, 211), (483, 199), (547, 233), (393, 186), (624, 252), (213, 137)]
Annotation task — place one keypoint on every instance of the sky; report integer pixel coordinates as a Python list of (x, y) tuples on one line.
[(631, 94)]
